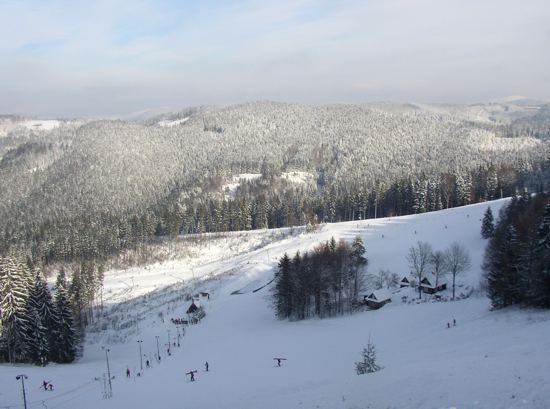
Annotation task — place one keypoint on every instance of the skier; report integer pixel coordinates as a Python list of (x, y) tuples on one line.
[(192, 373), (147, 364), (45, 385), (127, 372), (448, 325), (279, 360), (454, 322), (50, 386), (206, 366)]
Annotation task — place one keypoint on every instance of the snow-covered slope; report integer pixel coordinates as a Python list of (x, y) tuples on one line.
[(489, 360)]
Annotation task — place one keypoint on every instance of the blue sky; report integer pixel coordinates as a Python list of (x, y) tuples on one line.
[(89, 58)]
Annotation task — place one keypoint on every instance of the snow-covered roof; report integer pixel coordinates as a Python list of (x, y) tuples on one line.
[(429, 281), (379, 295)]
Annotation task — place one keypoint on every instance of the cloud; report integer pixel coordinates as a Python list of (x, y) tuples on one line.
[(65, 58)]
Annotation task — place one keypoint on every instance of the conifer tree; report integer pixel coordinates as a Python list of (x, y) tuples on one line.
[(284, 288), (487, 225), (41, 318), (368, 364), (13, 300), (66, 343)]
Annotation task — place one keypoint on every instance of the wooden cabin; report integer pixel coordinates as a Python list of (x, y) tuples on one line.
[(377, 298), (405, 282), (428, 284), (192, 308)]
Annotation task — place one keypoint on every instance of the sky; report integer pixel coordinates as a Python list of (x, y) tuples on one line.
[(101, 58)]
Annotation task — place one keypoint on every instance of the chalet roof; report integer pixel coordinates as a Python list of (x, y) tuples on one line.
[(379, 295), (429, 281), (406, 279), (192, 308)]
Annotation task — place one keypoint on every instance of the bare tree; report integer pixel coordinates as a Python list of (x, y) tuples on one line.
[(440, 265), (458, 261), (419, 258)]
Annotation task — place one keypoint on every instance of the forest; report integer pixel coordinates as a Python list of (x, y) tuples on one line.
[(324, 282), (88, 190), (517, 256)]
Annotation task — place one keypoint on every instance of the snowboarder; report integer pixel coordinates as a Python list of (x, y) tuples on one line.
[(279, 360), (127, 372), (206, 366), (192, 374)]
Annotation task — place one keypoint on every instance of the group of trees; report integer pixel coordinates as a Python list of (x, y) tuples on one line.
[(34, 327), (517, 256), (321, 283), (87, 191), (455, 260)]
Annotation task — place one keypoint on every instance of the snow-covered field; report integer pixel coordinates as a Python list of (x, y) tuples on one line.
[(169, 123), (489, 360)]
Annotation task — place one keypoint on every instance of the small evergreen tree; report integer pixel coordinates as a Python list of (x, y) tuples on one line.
[(487, 225), (368, 364)]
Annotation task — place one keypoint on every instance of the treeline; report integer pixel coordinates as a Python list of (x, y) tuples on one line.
[(36, 327), (517, 257), (257, 205), (324, 282)]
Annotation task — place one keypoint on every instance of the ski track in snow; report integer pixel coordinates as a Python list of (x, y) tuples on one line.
[(489, 360)]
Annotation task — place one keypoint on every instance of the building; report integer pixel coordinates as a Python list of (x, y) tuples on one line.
[(429, 286), (192, 308), (377, 298), (405, 282)]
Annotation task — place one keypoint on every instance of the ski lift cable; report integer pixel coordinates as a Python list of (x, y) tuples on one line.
[(61, 394), (69, 400)]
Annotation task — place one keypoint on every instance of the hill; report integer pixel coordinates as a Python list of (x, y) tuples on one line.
[(488, 360), (107, 185)]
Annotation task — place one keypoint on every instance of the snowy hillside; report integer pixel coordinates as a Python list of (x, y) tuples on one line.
[(489, 360)]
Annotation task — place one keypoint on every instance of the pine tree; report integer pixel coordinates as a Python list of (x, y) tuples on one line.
[(14, 294), (284, 288), (541, 284), (502, 264), (41, 318), (358, 265), (487, 225), (368, 364), (66, 343)]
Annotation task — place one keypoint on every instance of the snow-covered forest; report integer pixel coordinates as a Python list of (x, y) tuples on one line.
[(473, 356), (88, 189)]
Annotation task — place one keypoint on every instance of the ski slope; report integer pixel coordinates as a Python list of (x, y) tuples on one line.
[(489, 360)]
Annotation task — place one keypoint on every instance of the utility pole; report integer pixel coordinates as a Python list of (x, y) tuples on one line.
[(158, 350), (140, 354), (108, 371), (23, 377)]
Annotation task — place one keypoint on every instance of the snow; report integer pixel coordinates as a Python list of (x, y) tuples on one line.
[(488, 360), (170, 123), (230, 188), (379, 295), (298, 177), (41, 124)]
